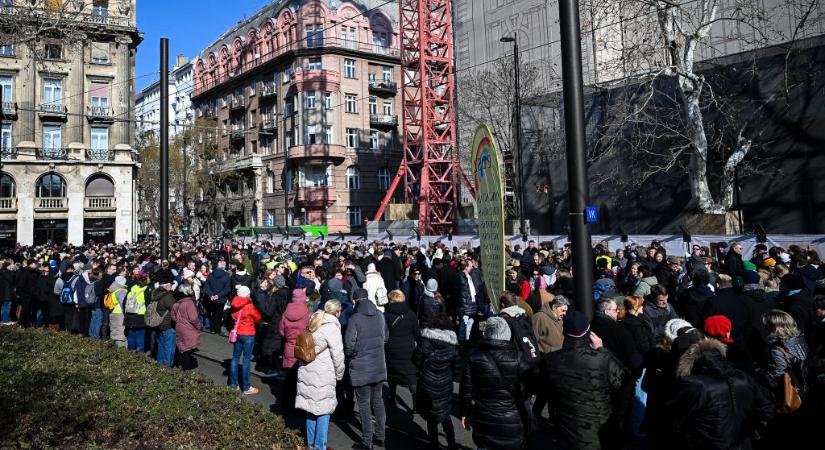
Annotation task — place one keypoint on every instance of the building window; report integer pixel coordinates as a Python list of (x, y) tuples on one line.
[(52, 140), (100, 186), (270, 182), (100, 8), (7, 85), (387, 108), (350, 103), (288, 138), (252, 90), (352, 138), (387, 73), (314, 176), (270, 219), (354, 216), (374, 140), (312, 136), (51, 185), (289, 180), (310, 100), (373, 105), (348, 37), (100, 143), (328, 100), (53, 51), (100, 95), (349, 68), (100, 53), (5, 138), (52, 91), (379, 42), (8, 188), (383, 179), (328, 135), (289, 106), (6, 50), (315, 35), (314, 64), (353, 178)]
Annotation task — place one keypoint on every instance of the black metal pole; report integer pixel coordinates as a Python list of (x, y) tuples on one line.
[(522, 204), (571, 56), (164, 148), (738, 201)]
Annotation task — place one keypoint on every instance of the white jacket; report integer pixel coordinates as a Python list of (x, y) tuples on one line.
[(316, 380), (375, 288)]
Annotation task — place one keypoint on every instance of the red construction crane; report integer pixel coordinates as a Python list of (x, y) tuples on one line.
[(430, 169)]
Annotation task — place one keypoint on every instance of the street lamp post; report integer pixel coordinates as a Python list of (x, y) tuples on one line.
[(517, 131)]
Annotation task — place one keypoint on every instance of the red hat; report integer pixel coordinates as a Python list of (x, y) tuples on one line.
[(719, 327)]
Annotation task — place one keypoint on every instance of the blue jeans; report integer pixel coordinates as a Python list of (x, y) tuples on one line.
[(465, 328), (317, 427), (244, 345), (5, 312), (166, 347), (136, 337), (96, 323)]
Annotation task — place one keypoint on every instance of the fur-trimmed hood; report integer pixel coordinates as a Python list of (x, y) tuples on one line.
[(706, 356), (446, 336)]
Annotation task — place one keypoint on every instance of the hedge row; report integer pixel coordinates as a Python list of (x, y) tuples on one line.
[(64, 391)]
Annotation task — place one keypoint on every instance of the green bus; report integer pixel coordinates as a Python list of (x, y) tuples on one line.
[(267, 232)]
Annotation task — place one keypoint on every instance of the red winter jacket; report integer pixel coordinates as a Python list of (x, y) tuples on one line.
[(293, 322), (242, 307)]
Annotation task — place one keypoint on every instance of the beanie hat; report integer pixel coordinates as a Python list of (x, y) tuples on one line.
[(431, 287), (360, 294), (718, 327), (673, 326), (793, 281), (497, 329), (242, 291), (335, 285), (576, 324), (299, 295), (769, 263), (188, 273)]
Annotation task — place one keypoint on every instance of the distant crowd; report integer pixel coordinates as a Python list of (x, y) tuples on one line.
[(711, 349)]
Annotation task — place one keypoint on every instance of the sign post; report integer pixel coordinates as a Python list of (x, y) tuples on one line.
[(490, 206)]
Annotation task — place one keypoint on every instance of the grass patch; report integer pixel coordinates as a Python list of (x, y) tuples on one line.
[(64, 391)]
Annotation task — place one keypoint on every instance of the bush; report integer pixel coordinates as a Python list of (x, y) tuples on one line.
[(64, 391)]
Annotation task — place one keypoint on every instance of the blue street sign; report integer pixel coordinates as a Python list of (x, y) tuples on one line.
[(591, 214)]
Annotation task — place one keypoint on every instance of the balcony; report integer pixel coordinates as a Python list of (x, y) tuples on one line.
[(53, 111), (237, 103), (100, 204), (269, 90), (316, 196), (52, 153), (383, 87), (8, 204), (317, 79), (239, 163), (268, 123), (9, 110), (100, 114), (236, 134), (51, 204), (209, 113), (383, 120), (8, 153), (100, 154), (318, 152)]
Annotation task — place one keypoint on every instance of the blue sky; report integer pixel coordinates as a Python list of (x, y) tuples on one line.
[(190, 26)]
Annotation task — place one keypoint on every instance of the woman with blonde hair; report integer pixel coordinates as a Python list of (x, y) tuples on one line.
[(317, 380)]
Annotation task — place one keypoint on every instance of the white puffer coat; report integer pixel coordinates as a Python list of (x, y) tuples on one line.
[(316, 380)]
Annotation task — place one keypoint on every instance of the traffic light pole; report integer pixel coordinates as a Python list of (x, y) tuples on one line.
[(164, 148)]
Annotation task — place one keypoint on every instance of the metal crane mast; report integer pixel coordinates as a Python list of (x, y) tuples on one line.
[(430, 170)]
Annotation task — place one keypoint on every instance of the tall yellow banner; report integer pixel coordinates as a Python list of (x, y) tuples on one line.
[(490, 206)]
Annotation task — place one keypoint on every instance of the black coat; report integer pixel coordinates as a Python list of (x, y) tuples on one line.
[(6, 285), (730, 304), (758, 302), (404, 333), (690, 305), (701, 412), (390, 272), (489, 397), (272, 339), (435, 358), (641, 330), (618, 340), (733, 265), (801, 308), (581, 382)]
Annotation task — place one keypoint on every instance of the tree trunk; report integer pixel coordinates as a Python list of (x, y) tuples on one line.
[(698, 168)]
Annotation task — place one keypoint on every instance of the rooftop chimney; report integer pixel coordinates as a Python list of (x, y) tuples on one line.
[(181, 61)]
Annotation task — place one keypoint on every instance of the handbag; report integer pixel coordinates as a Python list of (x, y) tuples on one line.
[(791, 399), (233, 335)]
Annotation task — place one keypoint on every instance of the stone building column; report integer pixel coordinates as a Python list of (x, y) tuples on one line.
[(77, 95), (26, 86), (121, 91)]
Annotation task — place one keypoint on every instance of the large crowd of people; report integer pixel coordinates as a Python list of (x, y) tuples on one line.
[(711, 349)]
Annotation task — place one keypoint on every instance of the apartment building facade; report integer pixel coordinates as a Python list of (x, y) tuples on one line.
[(306, 100), (67, 71)]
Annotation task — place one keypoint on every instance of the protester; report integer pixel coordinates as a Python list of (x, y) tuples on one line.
[(246, 317), (404, 332), (187, 327), (293, 322)]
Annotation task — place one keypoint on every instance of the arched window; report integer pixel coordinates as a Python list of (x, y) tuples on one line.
[(100, 186), (353, 178), (51, 185), (383, 178), (8, 188), (270, 182)]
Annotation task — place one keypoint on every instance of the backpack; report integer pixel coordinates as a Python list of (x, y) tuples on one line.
[(58, 287), (305, 347), (381, 296), (66, 294), (153, 318), (523, 338), (131, 306), (90, 296)]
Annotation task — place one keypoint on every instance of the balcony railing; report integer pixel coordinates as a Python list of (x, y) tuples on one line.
[(320, 152), (9, 109), (100, 204), (269, 89), (100, 113), (99, 15), (100, 154), (48, 153), (8, 204), (268, 122), (9, 152), (236, 134), (328, 80), (383, 86), (384, 119), (237, 103), (52, 108), (51, 204), (316, 196)]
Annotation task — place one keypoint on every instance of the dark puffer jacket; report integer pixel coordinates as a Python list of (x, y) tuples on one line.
[(364, 344), (489, 398), (435, 358), (580, 384), (712, 401), (402, 325), (642, 331)]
